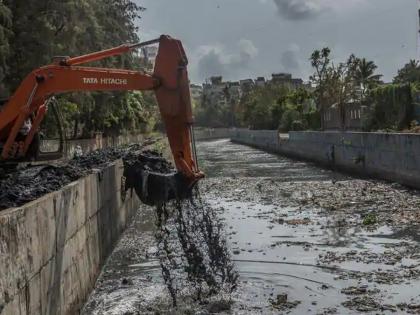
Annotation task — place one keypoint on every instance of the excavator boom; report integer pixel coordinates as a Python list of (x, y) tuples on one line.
[(169, 81)]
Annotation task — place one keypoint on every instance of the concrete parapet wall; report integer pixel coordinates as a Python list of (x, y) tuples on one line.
[(394, 157), (212, 133), (88, 145), (99, 142), (52, 249)]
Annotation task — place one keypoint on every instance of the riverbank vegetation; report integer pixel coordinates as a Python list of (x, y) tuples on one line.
[(346, 95), (33, 32), (351, 88)]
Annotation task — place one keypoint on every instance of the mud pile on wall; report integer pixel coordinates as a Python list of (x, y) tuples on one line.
[(29, 183)]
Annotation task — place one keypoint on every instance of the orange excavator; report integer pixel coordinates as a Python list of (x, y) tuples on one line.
[(22, 114)]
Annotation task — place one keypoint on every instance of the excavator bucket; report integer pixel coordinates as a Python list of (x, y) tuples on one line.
[(156, 188), (154, 180)]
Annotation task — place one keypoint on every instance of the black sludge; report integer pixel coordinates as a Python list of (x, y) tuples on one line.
[(20, 186), (193, 252)]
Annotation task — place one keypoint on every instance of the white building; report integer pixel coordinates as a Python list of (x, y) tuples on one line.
[(196, 92)]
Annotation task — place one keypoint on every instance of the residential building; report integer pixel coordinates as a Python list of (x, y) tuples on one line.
[(246, 85), (196, 92), (260, 81), (214, 93), (150, 52), (218, 80), (286, 79), (148, 57), (235, 91), (281, 77), (217, 92), (297, 83)]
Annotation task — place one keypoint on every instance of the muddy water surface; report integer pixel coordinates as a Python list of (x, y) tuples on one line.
[(305, 241)]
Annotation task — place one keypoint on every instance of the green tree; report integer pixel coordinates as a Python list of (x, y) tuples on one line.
[(410, 73), (346, 82), (67, 27), (45, 28), (334, 83), (365, 76), (298, 98), (263, 107), (392, 107), (5, 33), (320, 61), (215, 110), (299, 111)]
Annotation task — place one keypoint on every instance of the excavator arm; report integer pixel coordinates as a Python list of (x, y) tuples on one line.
[(169, 81)]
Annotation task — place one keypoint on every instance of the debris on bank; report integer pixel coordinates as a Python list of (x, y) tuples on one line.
[(283, 304), (367, 304), (370, 219)]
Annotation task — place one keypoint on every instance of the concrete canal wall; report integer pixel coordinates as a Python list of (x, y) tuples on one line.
[(394, 157), (88, 145), (211, 133), (52, 249), (99, 142)]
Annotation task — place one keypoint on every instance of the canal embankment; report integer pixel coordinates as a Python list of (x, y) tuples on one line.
[(304, 239), (52, 249), (54, 241), (389, 156)]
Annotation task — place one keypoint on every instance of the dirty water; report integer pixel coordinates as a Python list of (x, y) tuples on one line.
[(304, 240)]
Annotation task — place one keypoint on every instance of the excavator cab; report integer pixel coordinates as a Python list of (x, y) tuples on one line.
[(49, 145), (44, 146)]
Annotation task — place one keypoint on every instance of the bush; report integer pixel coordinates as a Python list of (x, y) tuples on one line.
[(298, 125), (288, 118), (392, 107), (313, 120)]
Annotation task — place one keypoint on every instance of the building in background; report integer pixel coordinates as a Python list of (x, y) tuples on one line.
[(196, 92), (148, 56), (260, 81), (281, 78), (286, 79), (234, 90), (246, 85), (213, 92), (216, 92)]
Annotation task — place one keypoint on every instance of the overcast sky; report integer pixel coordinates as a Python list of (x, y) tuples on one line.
[(249, 38)]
